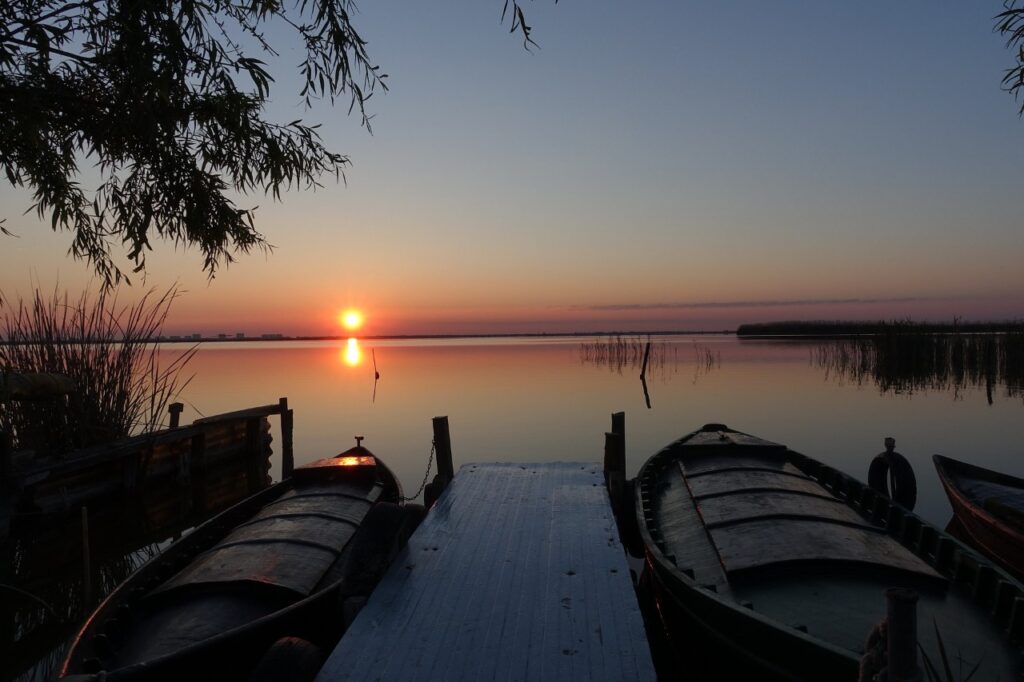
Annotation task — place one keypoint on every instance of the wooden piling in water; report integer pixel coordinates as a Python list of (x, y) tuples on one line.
[(443, 449), (647, 354), (615, 460), (443, 457)]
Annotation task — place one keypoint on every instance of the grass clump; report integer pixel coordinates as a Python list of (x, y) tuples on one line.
[(110, 350)]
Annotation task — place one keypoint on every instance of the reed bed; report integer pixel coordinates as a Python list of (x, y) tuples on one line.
[(902, 362), (111, 352), (622, 352), (627, 352)]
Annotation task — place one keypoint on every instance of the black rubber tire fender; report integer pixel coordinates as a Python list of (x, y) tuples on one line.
[(289, 658), (893, 468)]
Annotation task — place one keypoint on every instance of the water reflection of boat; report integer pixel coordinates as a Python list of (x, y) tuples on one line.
[(286, 562), (989, 507), (43, 558), (779, 564)]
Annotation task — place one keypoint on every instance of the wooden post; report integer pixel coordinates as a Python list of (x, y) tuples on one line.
[(86, 561), (615, 461), (647, 353), (443, 457), (615, 457), (287, 425), (443, 449), (175, 410), (901, 606)]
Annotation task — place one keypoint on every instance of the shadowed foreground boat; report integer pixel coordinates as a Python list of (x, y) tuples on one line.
[(778, 565), (990, 509), (296, 560)]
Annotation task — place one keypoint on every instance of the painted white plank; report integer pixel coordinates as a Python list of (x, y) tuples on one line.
[(515, 574)]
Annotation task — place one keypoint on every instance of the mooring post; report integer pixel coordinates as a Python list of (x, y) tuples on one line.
[(86, 561), (287, 425), (175, 410), (443, 449), (443, 457), (901, 608), (615, 460)]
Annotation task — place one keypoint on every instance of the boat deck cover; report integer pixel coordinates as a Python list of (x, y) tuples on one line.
[(515, 574), (760, 510), (290, 543)]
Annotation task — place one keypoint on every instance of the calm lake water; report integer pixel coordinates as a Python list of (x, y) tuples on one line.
[(547, 399), (522, 400)]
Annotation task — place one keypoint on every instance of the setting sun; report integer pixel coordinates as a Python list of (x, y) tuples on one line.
[(351, 319)]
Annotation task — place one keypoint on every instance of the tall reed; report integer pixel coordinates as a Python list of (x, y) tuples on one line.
[(110, 350)]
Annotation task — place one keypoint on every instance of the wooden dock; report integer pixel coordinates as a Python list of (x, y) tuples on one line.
[(517, 573)]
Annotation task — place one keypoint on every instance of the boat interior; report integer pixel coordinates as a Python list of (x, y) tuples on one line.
[(739, 517)]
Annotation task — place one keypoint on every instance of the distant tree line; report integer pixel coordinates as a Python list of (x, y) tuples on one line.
[(826, 328)]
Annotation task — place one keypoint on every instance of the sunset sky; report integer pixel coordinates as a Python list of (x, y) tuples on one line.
[(653, 165)]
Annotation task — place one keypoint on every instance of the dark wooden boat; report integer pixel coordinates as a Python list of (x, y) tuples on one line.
[(990, 509), (778, 565), (290, 561)]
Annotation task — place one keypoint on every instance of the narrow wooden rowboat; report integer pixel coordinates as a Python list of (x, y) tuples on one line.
[(990, 508), (779, 564), (286, 562)]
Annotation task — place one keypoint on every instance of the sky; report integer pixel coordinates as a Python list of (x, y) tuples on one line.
[(651, 165)]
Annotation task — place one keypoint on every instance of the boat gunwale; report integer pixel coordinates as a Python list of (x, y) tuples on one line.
[(960, 565)]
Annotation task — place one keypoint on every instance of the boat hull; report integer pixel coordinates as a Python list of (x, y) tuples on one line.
[(993, 537), (767, 564), (211, 603)]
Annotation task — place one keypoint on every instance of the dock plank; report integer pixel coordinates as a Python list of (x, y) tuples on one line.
[(516, 574)]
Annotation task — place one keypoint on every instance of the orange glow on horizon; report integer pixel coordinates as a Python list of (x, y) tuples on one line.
[(351, 319), (353, 354)]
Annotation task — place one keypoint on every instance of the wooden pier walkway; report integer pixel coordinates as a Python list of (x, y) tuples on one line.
[(516, 574)]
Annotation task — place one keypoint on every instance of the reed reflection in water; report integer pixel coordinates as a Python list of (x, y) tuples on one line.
[(911, 362)]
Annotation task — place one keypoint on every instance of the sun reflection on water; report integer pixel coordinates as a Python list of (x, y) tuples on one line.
[(352, 355)]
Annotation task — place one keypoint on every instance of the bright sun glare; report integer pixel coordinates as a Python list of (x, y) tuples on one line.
[(352, 319)]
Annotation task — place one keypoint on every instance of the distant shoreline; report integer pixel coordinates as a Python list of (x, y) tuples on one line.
[(432, 337)]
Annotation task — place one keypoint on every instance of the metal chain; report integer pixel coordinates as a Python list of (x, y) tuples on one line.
[(426, 474)]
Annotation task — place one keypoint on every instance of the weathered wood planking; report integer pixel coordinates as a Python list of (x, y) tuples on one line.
[(684, 533), (516, 574)]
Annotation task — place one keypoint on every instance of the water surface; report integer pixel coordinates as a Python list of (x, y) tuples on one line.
[(547, 399)]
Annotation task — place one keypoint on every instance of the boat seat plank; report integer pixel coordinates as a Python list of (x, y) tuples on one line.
[(313, 504), (333, 490), (684, 534), (730, 439), (697, 463), (727, 509), (289, 544), (515, 574), (290, 565), (760, 543), (328, 532), (734, 482)]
